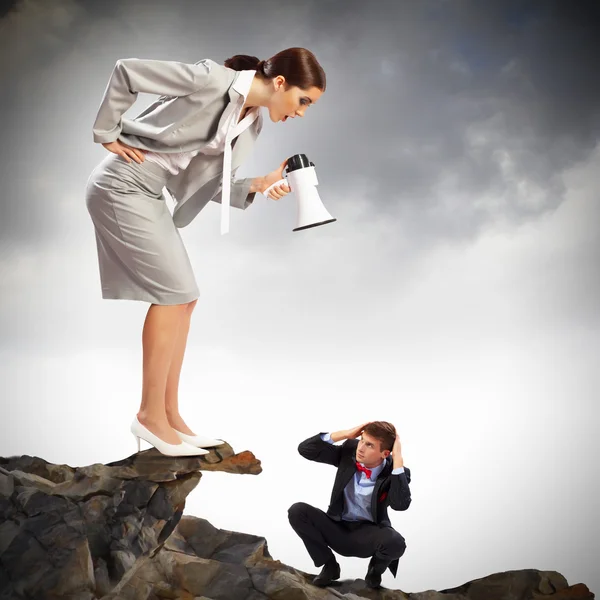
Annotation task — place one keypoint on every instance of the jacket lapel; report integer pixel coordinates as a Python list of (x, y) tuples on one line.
[(234, 95), (346, 474), (244, 143), (378, 483)]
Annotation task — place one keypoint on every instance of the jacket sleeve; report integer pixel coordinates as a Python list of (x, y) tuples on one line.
[(239, 196), (314, 448), (399, 495), (131, 76)]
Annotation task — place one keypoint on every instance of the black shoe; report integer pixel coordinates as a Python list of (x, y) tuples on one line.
[(330, 572), (374, 572), (373, 580)]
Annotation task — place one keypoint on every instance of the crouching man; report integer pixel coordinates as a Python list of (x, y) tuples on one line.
[(370, 477)]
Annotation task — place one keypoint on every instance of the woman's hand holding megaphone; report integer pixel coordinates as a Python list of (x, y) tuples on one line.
[(301, 176), (275, 185)]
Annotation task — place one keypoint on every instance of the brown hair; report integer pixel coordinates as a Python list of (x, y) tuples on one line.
[(384, 432), (299, 66)]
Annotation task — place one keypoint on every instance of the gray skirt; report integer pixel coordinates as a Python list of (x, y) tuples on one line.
[(140, 252)]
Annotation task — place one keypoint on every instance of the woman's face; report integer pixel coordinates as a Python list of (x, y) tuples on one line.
[(291, 102)]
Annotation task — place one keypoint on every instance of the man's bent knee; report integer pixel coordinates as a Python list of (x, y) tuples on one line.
[(394, 544), (297, 511)]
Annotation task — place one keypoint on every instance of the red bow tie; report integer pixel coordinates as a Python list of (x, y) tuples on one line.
[(366, 471)]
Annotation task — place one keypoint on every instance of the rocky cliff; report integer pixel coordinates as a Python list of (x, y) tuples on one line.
[(117, 532)]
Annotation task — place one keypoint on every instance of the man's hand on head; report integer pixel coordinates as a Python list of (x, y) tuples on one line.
[(397, 453), (348, 434), (356, 431)]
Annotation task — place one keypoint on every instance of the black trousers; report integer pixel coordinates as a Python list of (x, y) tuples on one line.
[(321, 534)]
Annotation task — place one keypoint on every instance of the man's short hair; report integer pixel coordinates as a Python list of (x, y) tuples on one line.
[(384, 432)]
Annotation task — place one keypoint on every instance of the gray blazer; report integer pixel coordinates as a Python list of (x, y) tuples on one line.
[(185, 117)]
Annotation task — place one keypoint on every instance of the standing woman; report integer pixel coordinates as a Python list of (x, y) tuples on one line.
[(191, 141)]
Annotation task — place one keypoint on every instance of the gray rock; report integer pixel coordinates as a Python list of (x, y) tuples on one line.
[(117, 532), (82, 532)]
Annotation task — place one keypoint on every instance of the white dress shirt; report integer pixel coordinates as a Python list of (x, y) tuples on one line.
[(178, 161), (358, 492), (229, 128)]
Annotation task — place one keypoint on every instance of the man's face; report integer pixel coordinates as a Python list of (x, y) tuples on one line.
[(369, 451)]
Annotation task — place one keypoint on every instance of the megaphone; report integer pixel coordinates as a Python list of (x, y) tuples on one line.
[(302, 179)]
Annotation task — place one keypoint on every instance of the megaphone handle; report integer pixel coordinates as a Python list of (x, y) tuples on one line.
[(280, 182)]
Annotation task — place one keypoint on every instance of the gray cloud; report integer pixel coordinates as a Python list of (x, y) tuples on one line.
[(459, 286), (443, 120), (457, 114), (449, 104)]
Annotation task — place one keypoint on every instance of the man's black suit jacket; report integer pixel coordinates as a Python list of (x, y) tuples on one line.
[(390, 490)]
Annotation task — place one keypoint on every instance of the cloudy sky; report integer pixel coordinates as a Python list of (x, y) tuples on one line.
[(457, 295)]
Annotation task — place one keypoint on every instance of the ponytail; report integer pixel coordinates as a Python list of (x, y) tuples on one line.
[(244, 62), (299, 66)]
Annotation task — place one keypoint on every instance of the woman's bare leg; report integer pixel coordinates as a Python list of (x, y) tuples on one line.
[(159, 339), (172, 389)]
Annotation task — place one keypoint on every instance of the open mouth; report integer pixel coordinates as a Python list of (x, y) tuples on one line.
[(285, 118)]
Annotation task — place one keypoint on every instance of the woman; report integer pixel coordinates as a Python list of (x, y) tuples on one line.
[(183, 142)]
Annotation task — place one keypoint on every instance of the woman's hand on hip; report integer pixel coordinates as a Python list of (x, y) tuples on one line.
[(125, 151), (279, 191)]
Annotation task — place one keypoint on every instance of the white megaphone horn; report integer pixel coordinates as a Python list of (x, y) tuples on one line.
[(302, 179)]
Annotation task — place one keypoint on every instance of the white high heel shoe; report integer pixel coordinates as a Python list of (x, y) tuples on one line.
[(142, 433), (198, 441)]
